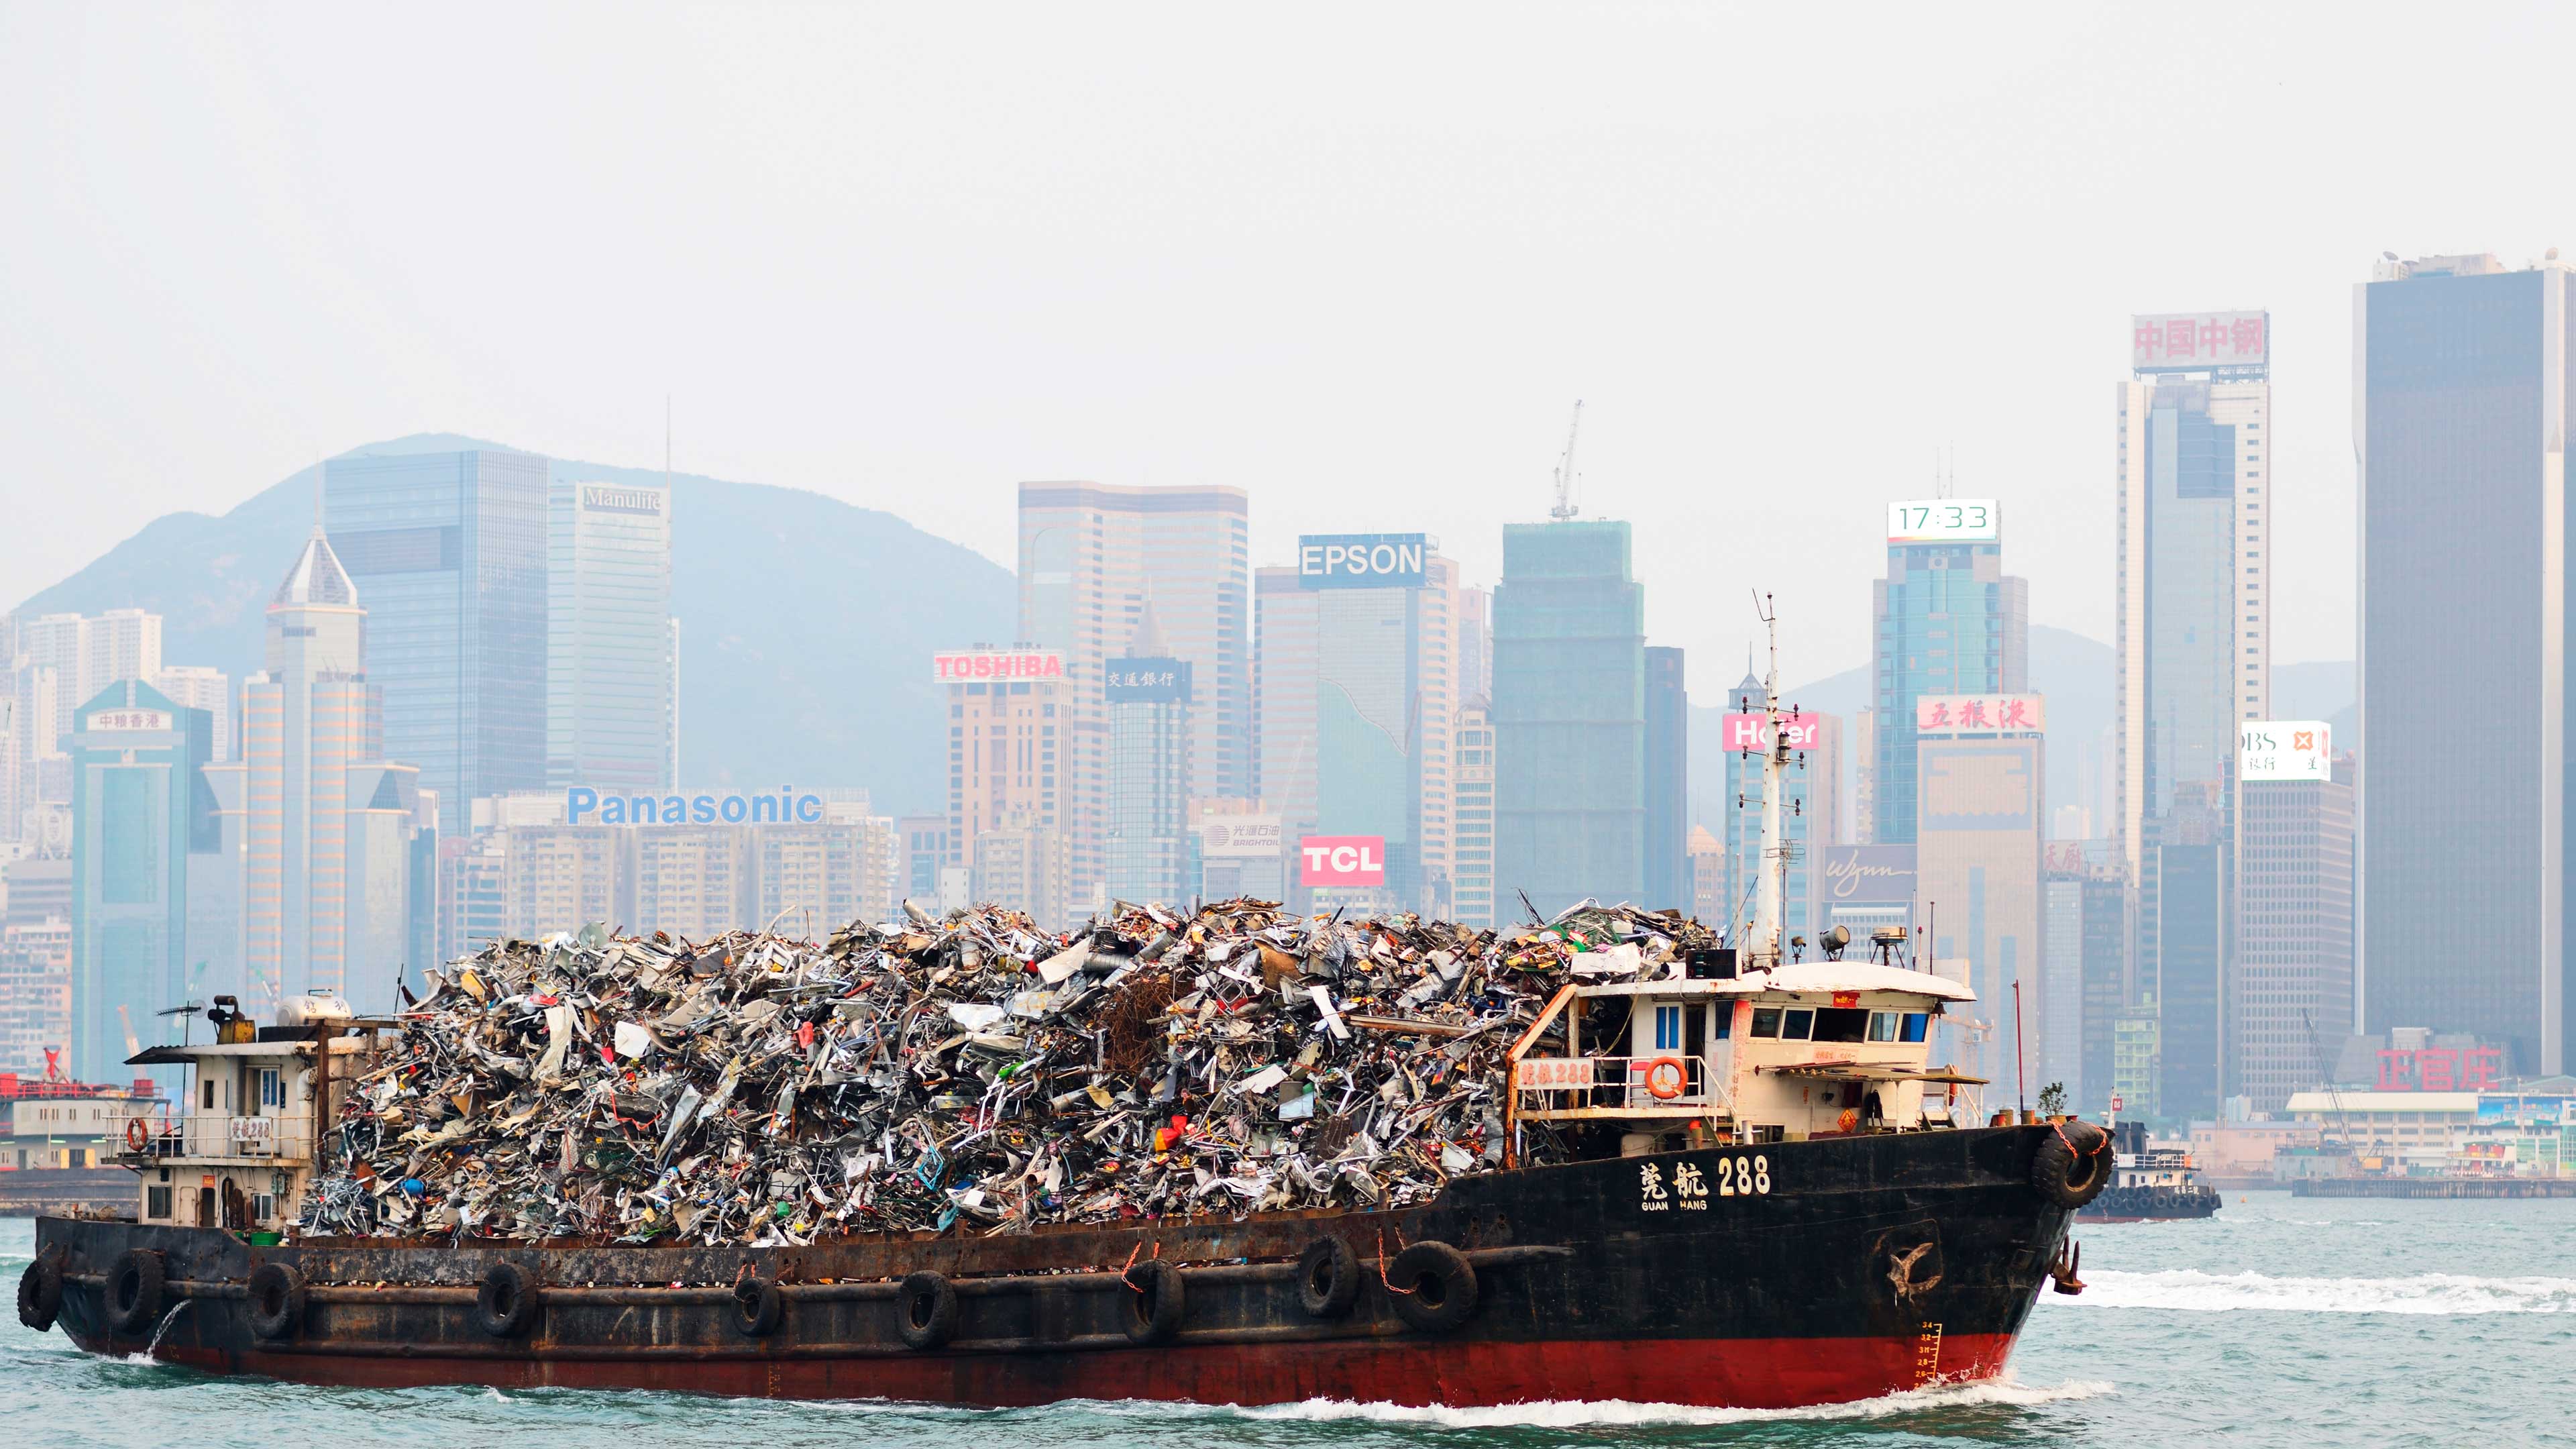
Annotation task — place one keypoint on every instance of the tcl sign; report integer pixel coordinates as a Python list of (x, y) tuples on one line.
[(1341, 860), (1750, 732)]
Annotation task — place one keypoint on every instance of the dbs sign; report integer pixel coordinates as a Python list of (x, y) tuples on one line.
[(1341, 860)]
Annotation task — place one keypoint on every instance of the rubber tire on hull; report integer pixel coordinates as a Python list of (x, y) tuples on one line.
[(135, 1288), (506, 1302), (1328, 1279), (276, 1302), (2072, 1165), (1154, 1302), (1434, 1286), (758, 1306), (925, 1310), (40, 1292)]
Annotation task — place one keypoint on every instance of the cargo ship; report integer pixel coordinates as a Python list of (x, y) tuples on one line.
[(2150, 1183), (1779, 1201)]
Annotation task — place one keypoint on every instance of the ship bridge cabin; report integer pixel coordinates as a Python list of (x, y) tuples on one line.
[(239, 1151), (1811, 1049)]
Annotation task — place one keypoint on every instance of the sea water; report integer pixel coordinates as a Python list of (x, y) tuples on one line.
[(2282, 1321)]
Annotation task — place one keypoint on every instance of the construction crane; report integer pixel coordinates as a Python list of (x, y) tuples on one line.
[(133, 1044), (1565, 508)]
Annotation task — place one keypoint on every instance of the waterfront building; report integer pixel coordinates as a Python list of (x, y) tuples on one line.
[(451, 549), (1092, 557), (610, 640), (1981, 807), (1948, 621), (2289, 992), (137, 816), (1569, 715), (2462, 391)]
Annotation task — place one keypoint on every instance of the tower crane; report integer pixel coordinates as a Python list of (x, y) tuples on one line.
[(1565, 508)]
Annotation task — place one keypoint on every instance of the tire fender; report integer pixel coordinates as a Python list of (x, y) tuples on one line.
[(505, 1304), (758, 1306), (276, 1302), (1154, 1301), (1328, 1279), (2072, 1164), (135, 1288), (1434, 1286), (40, 1292), (925, 1309)]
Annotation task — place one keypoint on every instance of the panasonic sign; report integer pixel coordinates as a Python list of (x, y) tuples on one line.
[(586, 806), (1361, 560)]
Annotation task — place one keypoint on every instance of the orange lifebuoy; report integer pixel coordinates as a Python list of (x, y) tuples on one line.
[(1665, 1077), (137, 1135)]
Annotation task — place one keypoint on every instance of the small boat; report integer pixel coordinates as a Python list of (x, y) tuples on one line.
[(2151, 1183)]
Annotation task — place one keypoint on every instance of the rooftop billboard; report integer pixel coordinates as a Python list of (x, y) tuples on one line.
[(2284, 749), (1013, 664), (2199, 341), (1361, 560), (1945, 520)]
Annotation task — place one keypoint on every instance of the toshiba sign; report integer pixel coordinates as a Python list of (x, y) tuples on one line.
[(1341, 860), (1013, 664)]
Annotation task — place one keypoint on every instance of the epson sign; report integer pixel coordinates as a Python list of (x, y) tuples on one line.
[(1360, 560)]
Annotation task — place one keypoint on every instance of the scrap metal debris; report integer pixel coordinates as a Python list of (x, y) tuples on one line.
[(970, 1073)]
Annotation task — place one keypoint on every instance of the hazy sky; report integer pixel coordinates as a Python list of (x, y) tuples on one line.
[(1359, 261)]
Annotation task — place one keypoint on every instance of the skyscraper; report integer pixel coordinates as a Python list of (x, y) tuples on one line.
[(1091, 558), (331, 867), (2289, 992), (451, 550), (1471, 831), (2463, 393), (610, 645), (1981, 808), (1150, 826), (1359, 643), (1008, 712), (1668, 869), (1948, 621), (138, 810), (196, 686), (1569, 712)]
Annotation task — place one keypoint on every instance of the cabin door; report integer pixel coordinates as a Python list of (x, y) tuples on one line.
[(205, 1207)]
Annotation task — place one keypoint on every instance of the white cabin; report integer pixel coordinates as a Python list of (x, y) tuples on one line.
[(239, 1152), (1807, 1050)]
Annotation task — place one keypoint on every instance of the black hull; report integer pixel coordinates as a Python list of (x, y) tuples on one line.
[(1870, 1265)]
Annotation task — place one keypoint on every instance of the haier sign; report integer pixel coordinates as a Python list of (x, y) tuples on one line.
[(1360, 560), (1341, 860)]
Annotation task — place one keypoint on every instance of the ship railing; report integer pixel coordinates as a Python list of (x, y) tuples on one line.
[(1611, 1086), (279, 1139)]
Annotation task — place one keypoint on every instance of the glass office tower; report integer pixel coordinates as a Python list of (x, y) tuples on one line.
[(1569, 715), (1948, 621), (609, 649)]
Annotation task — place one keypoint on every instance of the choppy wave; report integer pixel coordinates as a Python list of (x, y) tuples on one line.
[(2192, 1290), (1568, 1414)]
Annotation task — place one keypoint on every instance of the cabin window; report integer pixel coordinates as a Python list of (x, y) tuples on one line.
[(1724, 1012), (208, 1084), (1882, 1025), (1796, 1022), (1841, 1023), (1766, 1021), (156, 1202), (1914, 1021), (263, 1206), (1668, 1028), (272, 1088)]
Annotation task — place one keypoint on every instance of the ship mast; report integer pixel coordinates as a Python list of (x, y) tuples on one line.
[(1763, 940)]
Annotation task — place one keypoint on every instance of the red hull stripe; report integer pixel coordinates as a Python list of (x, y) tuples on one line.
[(1757, 1373)]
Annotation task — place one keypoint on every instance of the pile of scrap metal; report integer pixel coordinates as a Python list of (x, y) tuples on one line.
[(972, 1073)]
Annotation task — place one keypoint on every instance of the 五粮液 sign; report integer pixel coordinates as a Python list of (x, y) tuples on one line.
[(1360, 560), (1980, 714)]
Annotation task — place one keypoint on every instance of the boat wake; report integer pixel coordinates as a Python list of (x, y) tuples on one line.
[(1569, 1414), (2193, 1291)]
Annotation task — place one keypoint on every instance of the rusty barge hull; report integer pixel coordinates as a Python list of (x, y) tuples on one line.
[(1847, 1268)]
